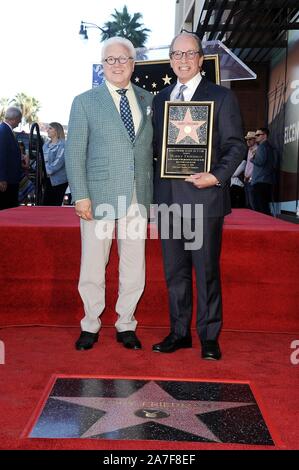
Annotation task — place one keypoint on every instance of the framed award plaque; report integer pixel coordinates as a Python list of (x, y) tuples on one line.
[(187, 138)]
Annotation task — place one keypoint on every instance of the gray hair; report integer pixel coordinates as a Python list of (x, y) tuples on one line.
[(192, 35), (13, 113), (118, 40)]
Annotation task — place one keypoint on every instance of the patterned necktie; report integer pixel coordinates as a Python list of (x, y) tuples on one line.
[(126, 114), (180, 95)]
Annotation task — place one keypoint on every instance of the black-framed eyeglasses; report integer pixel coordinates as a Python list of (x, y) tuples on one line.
[(257, 135), (178, 55), (122, 59)]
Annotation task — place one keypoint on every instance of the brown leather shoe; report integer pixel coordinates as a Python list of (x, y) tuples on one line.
[(128, 339)]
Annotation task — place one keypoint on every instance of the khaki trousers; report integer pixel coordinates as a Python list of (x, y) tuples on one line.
[(96, 239)]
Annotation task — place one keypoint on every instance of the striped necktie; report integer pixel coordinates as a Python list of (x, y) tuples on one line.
[(180, 95), (126, 114)]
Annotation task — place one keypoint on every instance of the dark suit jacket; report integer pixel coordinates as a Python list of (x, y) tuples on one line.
[(264, 163), (10, 156), (228, 150)]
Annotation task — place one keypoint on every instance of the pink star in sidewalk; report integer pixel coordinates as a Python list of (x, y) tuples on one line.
[(120, 412)]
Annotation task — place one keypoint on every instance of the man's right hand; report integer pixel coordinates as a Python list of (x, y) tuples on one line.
[(3, 186), (83, 209)]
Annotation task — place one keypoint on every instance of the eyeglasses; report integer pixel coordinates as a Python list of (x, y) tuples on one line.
[(178, 55), (122, 59), (257, 135)]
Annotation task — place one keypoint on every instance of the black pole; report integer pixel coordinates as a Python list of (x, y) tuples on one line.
[(36, 152)]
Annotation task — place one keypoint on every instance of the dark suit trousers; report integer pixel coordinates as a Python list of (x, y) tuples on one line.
[(54, 195), (178, 264), (9, 198), (261, 197)]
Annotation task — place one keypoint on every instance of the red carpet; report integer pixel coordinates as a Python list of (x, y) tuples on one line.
[(40, 256), (40, 253), (33, 354)]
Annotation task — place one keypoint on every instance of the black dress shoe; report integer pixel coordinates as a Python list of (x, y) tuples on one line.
[(210, 350), (128, 339), (86, 340), (171, 343)]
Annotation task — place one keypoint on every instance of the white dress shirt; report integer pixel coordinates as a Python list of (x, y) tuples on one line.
[(190, 90), (249, 164)]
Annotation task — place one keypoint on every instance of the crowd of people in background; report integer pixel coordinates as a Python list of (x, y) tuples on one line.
[(252, 184), (18, 170)]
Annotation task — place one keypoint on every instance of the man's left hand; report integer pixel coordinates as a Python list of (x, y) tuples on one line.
[(202, 180)]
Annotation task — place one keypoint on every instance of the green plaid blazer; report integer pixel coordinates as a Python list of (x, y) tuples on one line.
[(101, 161)]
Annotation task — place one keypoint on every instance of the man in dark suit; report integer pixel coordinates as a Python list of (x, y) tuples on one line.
[(263, 174), (208, 190), (10, 159)]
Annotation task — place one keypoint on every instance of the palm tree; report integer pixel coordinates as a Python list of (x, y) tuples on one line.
[(4, 104), (126, 26), (29, 107)]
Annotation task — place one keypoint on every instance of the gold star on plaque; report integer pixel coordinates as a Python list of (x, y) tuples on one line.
[(187, 128), (166, 79)]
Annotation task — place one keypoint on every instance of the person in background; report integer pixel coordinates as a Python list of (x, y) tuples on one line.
[(252, 146), (237, 193), (24, 155), (26, 187), (56, 181), (10, 159), (263, 174)]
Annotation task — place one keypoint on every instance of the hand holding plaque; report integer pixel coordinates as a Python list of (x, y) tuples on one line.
[(187, 138)]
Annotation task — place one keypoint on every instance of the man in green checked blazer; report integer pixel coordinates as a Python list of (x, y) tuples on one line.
[(109, 166)]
